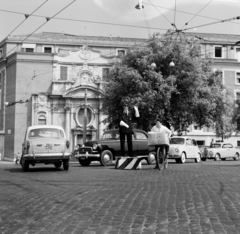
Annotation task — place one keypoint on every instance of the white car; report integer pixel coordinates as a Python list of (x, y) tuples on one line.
[(183, 148), (221, 151), (45, 144)]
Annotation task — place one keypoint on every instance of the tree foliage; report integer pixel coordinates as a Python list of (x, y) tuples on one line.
[(190, 92)]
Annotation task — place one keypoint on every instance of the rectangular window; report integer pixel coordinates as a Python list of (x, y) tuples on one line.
[(29, 50), (237, 95), (105, 74), (218, 52), (121, 52), (237, 77), (238, 143), (63, 72), (1, 53), (48, 50)]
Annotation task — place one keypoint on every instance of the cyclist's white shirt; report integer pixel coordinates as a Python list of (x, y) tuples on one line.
[(163, 129)]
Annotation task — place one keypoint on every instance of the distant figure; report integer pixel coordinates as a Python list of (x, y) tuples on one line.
[(211, 144), (17, 161)]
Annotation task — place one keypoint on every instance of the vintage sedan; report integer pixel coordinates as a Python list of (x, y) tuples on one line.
[(107, 148), (183, 148), (221, 151), (45, 144)]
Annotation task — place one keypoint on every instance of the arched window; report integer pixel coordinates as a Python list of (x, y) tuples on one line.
[(80, 116), (42, 120)]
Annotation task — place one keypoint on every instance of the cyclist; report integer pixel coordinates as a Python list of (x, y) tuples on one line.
[(160, 128)]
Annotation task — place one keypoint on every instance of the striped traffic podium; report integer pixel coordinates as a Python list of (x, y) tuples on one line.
[(129, 163)]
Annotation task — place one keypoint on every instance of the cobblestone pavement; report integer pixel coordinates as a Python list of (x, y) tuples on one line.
[(186, 198)]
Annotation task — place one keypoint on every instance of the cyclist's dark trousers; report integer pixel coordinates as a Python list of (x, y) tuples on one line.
[(129, 143)]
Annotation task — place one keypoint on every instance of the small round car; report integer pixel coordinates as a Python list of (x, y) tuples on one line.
[(45, 144), (183, 148)]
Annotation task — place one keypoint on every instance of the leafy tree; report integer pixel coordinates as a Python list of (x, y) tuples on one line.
[(189, 92)]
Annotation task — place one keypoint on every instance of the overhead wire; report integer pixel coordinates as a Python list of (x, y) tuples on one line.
[(26, 17), (197, 13), (47, 19)]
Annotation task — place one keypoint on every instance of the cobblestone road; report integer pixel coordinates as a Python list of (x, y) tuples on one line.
[(186, 198)]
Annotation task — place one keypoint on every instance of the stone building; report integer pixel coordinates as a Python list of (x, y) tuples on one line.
[(49, 78)]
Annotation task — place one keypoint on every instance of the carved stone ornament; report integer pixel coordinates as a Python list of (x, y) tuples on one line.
[(84, 53)]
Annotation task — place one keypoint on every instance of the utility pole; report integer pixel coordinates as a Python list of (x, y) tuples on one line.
[(85, 118)]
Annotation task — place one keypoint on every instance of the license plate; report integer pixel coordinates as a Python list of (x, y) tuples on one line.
[(48, 146)]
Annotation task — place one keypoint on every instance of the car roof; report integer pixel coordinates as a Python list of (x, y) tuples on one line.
[(45, 126)]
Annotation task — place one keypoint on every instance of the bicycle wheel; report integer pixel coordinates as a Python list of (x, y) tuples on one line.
[(160, 157), (165, 158)]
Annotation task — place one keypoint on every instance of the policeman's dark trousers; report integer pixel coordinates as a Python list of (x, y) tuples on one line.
[(129, 142)]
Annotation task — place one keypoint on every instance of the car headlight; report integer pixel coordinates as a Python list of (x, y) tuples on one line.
[(95, 146), (210, 153), (177, 150)]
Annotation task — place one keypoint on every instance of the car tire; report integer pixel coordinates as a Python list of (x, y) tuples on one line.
[(84, 163), (25, 165), (151, 160), (106, 158), (58, 164), (183, 158), (217, 157), (198, 159), (236, 157), (66, 164)]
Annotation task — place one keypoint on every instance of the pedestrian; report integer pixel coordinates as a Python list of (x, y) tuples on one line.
[(162, 129), (17, 161), (126, 117), (211, 143)]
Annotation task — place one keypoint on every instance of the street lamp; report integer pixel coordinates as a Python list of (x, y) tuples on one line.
[(171, 64)]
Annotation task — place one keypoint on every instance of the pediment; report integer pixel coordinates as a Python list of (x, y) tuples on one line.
[(82, 55)]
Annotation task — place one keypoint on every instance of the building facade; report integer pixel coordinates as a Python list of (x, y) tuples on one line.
[(52, 78)]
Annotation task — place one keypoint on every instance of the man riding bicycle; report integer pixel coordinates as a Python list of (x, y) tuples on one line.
[(162, 129)]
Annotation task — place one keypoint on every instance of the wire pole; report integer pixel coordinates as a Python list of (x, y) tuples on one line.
[(85, 119)]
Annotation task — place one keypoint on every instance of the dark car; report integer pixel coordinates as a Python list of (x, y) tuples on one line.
[(106, 149)]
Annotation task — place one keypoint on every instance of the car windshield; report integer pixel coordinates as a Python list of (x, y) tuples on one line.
[(46, 133), (177, 141), (216, 146), (110, 135)]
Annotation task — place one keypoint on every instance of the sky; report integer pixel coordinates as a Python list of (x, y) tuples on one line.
[(118, 18)]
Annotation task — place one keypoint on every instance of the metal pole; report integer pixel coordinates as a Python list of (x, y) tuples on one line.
[(85, 118)]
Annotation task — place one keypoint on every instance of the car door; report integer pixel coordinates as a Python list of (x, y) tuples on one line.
[(142, 143), (224, 151), (231, 151), (195, 148), (188, 147)]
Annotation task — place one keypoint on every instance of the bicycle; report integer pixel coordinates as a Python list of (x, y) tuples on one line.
[(161, 157)]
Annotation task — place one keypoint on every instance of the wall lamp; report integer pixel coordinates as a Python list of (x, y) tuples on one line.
[(13, 103)]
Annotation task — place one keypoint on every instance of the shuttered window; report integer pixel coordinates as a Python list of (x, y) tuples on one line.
[(63, 72)]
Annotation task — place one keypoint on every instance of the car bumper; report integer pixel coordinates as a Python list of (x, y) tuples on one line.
[(46, 156), (173, 156), (85, 156)]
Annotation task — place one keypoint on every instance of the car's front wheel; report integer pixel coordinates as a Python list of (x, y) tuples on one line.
[(58, 164), (198, 158), (25, 165), (106, 158), (151, 160), (183, 158), (66, 164), (217, 157)]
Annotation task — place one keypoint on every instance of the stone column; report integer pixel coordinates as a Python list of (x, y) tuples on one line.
[(67, 122)]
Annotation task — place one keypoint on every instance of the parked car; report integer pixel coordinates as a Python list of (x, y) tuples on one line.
[(183, 148), (45, 144), (106, 149), (221, 151)]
